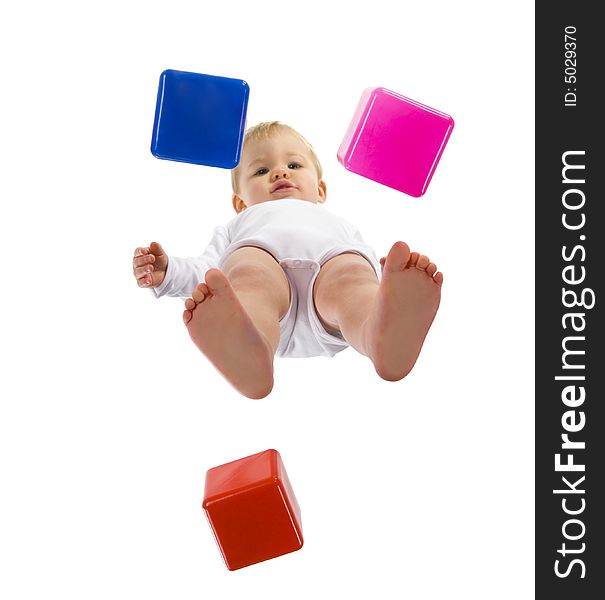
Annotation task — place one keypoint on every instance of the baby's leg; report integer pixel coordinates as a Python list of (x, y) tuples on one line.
[(233, 318), (388, 321)]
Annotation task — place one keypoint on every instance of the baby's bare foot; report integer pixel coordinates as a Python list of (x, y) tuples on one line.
[(222, 330), (405, 307)]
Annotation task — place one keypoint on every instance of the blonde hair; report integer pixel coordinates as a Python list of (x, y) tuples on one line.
[(266, 130)]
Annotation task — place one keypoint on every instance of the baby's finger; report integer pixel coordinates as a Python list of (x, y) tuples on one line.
[(140, 261), (143, 271), (144, 281), (156, 249), (141, 251)]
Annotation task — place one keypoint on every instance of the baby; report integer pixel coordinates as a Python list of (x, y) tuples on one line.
[(288, 277)]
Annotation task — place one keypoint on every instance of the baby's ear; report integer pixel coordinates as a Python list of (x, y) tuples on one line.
[(322, 191), (238, 203)]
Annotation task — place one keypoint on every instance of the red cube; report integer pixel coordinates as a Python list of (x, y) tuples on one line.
[(252, 509)]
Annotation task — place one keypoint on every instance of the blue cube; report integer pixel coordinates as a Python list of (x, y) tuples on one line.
[(200, 119)]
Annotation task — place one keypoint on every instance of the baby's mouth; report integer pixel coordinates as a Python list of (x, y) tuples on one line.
[(282, 188)]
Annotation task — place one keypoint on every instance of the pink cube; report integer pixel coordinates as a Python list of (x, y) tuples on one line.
[(395, 141)]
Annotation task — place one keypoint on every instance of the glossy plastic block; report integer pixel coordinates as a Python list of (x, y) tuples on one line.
[(395, 141), (252, 509), (200, 119)]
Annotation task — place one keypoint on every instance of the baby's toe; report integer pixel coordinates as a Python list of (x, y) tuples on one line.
[(423, 262), (414, 256), (431, 269), (190, 304), (397, 259), (198, 293), (216, 281), (187, 316), (438, 279)]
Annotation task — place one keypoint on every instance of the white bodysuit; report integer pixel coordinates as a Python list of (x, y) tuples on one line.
[(301, 236)]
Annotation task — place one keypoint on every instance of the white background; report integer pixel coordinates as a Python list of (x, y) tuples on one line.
[(109, 416)]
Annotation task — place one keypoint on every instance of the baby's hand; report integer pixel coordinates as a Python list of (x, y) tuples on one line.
[(149, 265)]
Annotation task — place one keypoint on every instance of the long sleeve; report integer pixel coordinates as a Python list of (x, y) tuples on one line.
[(183, 274)]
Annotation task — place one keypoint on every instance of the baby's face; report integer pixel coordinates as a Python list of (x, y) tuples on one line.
[(277, 168)]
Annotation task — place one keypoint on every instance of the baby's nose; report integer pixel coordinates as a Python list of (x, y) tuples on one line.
[(279, 173)]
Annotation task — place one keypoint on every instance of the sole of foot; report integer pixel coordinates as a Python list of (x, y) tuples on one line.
[(222, 330)]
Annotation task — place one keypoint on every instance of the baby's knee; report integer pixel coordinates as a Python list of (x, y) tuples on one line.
[(253, 270), (345, 270), (247, 274)]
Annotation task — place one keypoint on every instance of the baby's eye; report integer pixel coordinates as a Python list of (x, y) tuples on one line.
[(262, 171), (294, 165)]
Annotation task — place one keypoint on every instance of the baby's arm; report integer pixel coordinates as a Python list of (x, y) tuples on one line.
[(175, 276)]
